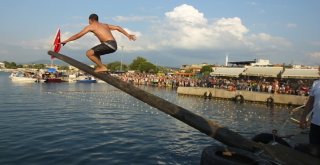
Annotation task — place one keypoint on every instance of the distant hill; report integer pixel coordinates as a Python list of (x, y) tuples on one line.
[(57, 62)]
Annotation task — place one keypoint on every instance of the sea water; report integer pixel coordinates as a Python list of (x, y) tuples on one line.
[(73, 123)]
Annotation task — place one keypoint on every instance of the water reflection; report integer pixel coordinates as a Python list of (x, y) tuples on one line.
[(99, 124), (248, 117)]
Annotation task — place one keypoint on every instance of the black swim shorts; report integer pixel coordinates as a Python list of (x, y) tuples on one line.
[(105, 48)]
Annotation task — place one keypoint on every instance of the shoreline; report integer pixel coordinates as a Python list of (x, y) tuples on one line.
[(242, 96)]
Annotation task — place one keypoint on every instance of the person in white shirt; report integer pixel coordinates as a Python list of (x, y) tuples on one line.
[(313, 104)]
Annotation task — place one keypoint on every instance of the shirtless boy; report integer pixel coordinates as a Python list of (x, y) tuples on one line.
[(103, 32)]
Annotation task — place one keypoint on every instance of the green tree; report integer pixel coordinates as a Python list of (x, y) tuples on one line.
[(136, 63), (163, 69), (13, 64), (147, 67), (116, 66), (206, 70), (10, 65), (6, 64), (38, 66), (63, 67)]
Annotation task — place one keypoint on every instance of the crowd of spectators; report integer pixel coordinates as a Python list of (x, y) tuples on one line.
[(256, 84)]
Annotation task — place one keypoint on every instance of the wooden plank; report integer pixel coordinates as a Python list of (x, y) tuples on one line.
[(210, 128)]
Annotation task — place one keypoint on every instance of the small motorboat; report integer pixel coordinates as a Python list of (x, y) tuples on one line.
[(86, 79)]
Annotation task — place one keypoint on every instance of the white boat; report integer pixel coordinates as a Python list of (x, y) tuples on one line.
[(86, 79), (23, 77)]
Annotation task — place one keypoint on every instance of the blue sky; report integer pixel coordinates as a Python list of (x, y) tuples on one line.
[(170, 32)]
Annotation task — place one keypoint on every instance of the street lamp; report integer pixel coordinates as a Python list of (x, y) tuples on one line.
[(121, 59)]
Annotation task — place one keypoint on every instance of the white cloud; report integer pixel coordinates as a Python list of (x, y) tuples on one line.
[(129, 46), (263, 42), (314, 55), (47, 43), (39, 44), (73, 26), (4, 52), (252, 3), (134, 18), (186, 28), (291, 25), (233, 26), (183, 29), (315, 43), (186, 14), (84, 43)]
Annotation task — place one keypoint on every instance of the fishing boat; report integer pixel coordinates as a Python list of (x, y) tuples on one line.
[(53, 76), (26, 77)]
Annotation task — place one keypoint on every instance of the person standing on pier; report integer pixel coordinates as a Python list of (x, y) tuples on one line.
[(103, 33), (313, 104)]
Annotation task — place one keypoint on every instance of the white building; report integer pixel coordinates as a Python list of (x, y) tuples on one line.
[(255, 62), (261, 62), (194, 68), (2, 65)]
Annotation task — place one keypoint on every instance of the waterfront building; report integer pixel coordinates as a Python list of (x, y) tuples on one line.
[(2, 65), (261, 62), (193, 68), (227, 71), (301, 73), (306, 73), (255, 62), (190, 70), (273, 72)]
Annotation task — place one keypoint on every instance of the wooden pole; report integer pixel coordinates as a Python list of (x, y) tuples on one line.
[(211, 128)]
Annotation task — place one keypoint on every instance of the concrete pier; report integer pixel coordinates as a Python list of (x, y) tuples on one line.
[(245, 95)]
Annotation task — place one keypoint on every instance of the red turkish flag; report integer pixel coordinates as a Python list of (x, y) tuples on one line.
[(57, 45)]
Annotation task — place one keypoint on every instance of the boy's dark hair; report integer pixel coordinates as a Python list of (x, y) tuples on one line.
[(94, 17)]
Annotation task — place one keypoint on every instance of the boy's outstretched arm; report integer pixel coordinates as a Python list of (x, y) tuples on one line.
[(121, 30), (76, 36)]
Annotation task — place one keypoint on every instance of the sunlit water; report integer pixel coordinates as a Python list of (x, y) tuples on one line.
[(70, 123)]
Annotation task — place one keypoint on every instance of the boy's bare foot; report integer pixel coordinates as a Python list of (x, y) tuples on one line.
[(100, 69)]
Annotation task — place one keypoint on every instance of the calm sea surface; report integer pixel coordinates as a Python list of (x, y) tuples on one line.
[(72, 123)]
